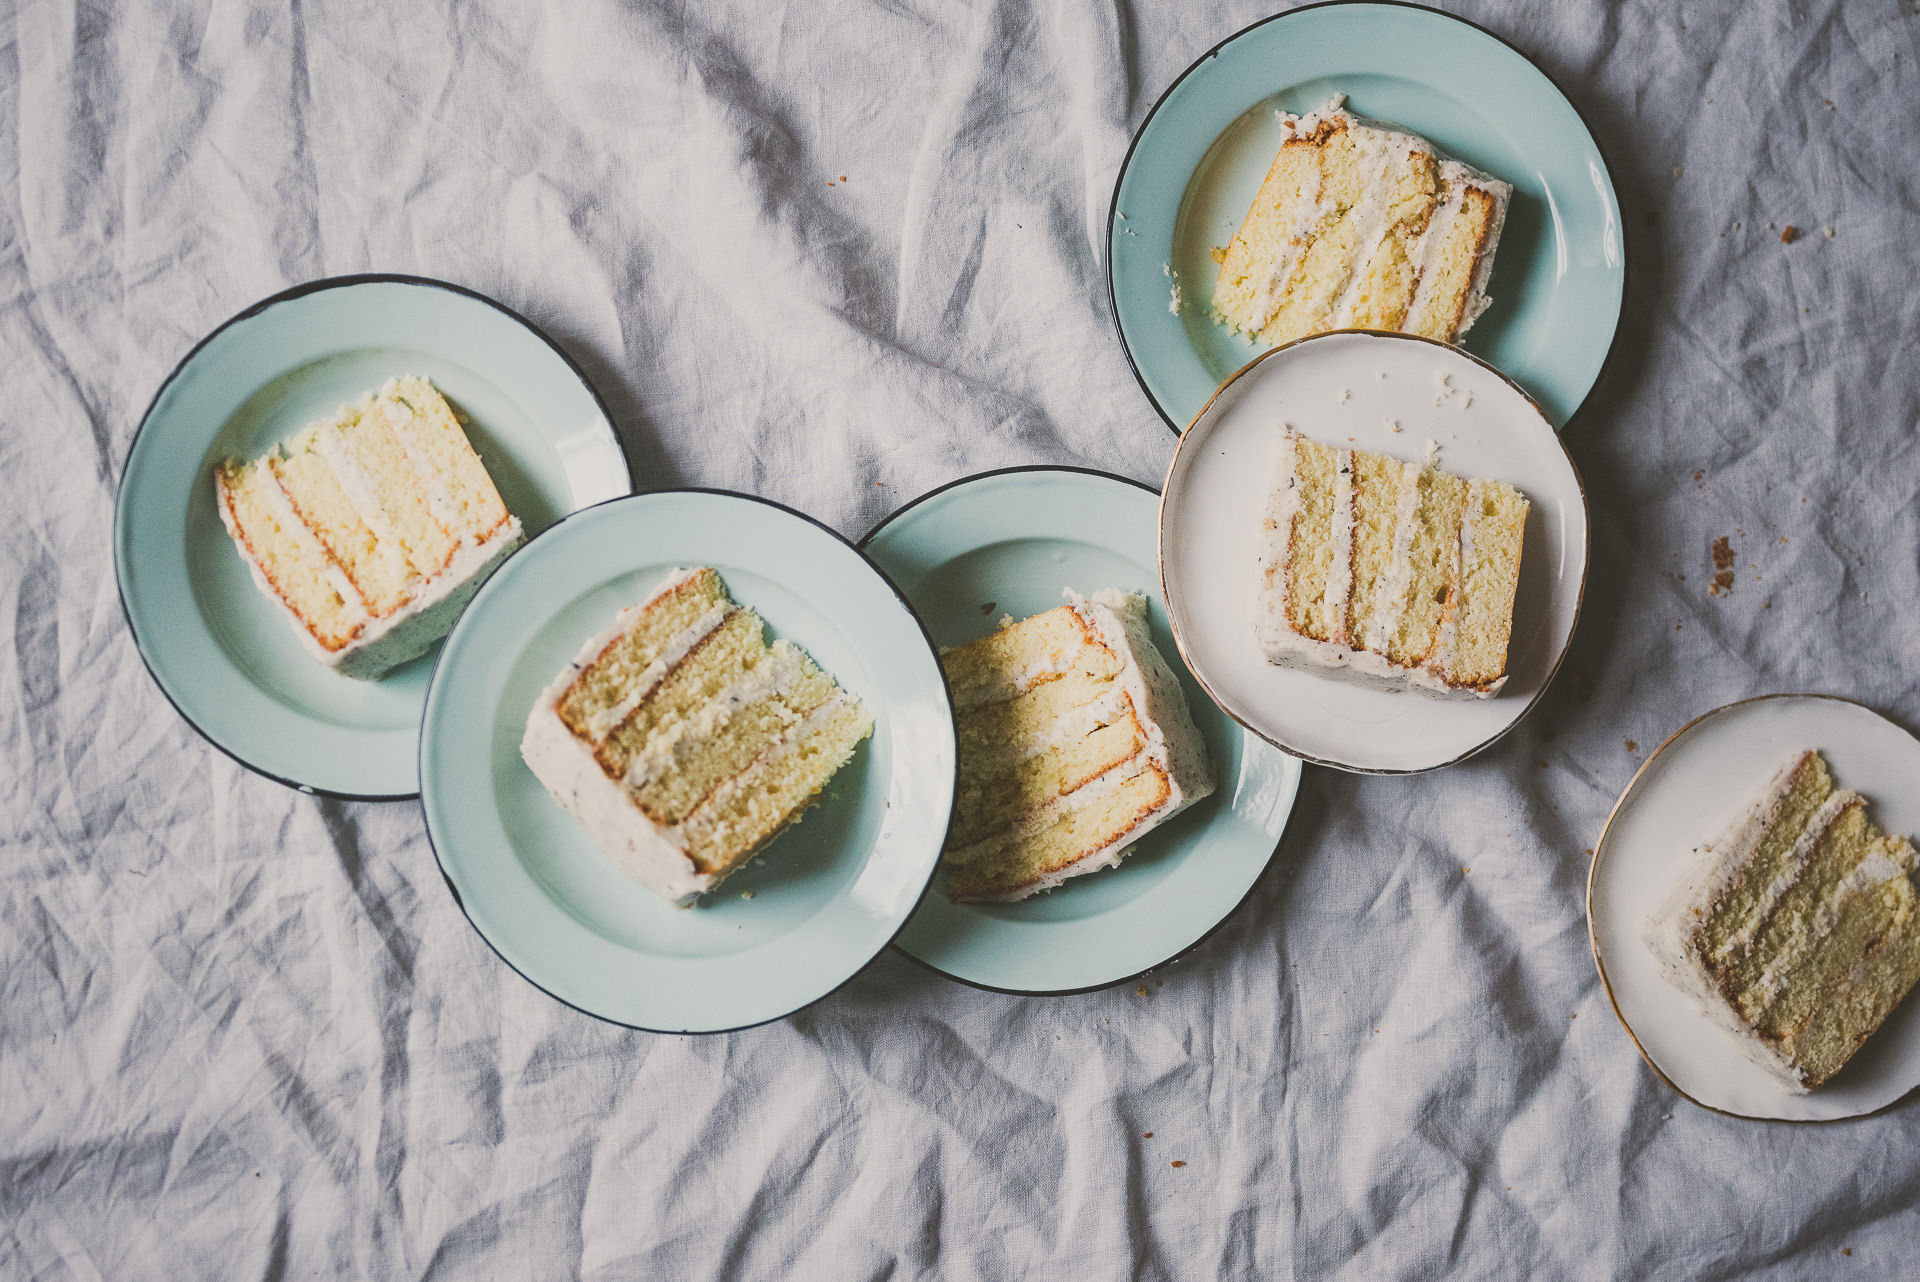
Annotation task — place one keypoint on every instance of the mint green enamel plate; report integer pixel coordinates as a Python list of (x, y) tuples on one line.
[(1007, 543), (221, 652), (826, 895), (1560, 271)]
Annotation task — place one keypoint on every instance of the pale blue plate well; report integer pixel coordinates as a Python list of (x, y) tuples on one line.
[(1007, 543), (826, 895), (220, 651), (1559, 274)]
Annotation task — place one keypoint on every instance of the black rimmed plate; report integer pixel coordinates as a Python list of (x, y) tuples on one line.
[(823, 899), (1008, 543), (1560, 270), (222, 652)]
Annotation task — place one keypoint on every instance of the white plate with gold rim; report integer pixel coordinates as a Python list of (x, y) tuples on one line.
[(1687, 793), (1355, 388)]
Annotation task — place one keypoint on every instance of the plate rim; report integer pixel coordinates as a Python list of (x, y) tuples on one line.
[(1593, 937), (946, 693), (1133, 144), (1580, 593), (1252, 885), (288, 295)]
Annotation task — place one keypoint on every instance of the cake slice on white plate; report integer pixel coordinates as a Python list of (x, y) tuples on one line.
[(1797, 930), (1389, 573)]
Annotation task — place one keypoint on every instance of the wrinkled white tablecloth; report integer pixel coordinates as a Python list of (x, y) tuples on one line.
[(245, 1032)]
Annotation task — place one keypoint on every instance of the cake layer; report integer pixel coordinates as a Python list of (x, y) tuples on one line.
[(288, 561), (751, 809), (1075, 741), (1360, 225), (1081, 836), (342, 527), (1474, 636), (1390, 573), (683, 742), (1795, 930), (647, 640)]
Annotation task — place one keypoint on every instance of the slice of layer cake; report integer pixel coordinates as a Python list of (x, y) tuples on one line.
[(372, 529), (683, 742), (1075, 742), (1359, 225), (1796, 931), (1392, 574)]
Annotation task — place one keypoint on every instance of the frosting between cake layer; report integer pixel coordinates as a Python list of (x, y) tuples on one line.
[(601, 724), (1390, 593), (1338, 610), (774, 675), (358, 488), (1794, 864), (785, 745), (429, 613)]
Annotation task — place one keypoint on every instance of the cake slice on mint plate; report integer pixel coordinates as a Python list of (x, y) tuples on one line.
[(371, 530), (683, 743), (1075, 742)]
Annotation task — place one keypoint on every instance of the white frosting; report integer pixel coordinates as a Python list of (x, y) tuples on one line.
[(1337, 618), (1390, 593), (1001, 688), (432, 609), (1875, 870), (649, 853), (1373, 216), (1380, 146), (1077, 723), (773, 675), (1119, 620)]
